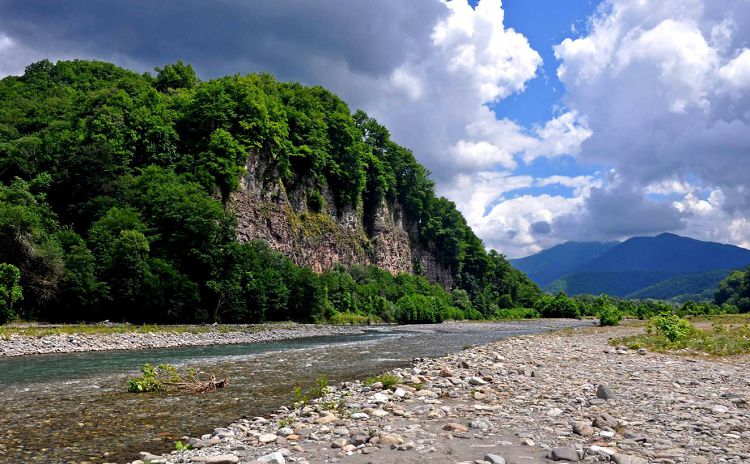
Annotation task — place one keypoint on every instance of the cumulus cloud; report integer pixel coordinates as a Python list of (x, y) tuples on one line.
[(664, 90), (657, 95)]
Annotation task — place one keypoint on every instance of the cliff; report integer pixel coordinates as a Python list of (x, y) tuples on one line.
[(265, 210)]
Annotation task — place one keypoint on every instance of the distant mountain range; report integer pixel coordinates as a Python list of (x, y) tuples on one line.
[(667, 266)]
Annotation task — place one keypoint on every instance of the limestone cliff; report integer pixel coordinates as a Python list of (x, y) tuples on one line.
[(320, 240)]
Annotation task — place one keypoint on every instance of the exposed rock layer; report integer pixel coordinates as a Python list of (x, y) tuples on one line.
[(266, 211)]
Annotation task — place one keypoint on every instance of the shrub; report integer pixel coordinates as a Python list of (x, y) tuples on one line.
[(516, 313), (609, 315), (388, 380), (671, 326)]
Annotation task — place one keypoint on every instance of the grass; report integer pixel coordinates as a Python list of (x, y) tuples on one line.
[(728, 336), (347, 318), (388, 380), (40, 330)]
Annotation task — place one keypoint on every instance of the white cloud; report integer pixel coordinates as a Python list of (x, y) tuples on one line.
[(663, 87)]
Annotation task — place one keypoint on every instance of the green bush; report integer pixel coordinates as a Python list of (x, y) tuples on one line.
[(609, 315), (671, 326), (516, 313), (388, 380)]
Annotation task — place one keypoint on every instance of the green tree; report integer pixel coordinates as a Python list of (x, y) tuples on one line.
[(10, 291), (175, 76)]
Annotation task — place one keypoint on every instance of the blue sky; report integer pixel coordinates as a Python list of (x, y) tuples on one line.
[(644, 131)]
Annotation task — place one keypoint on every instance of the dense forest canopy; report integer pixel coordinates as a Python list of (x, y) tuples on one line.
[(112, 202)]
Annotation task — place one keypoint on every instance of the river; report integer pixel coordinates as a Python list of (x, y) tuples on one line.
[(74, 407)]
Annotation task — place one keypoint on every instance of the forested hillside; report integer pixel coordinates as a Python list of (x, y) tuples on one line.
[(114, 190)]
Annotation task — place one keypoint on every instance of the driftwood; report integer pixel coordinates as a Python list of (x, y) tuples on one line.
[(198, 386)]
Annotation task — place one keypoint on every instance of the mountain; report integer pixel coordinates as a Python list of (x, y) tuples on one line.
[(666, 266), (668, 253), (553, 263), (684, 287)]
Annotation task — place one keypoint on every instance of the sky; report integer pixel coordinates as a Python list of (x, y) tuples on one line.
[(543, 120)]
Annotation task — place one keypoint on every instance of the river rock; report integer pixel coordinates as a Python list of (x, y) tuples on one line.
[(222, 459), (267, 438), (604, 393), (626, 459), (564, 454), (494, 459), (273, 458), (454, 427), (583, 429)]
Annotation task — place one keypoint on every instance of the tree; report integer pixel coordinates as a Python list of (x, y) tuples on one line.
[(10, 291), (175, 76)]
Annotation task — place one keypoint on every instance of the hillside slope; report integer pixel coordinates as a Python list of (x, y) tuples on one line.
[(664, 266), (553, 263), (142, 197)]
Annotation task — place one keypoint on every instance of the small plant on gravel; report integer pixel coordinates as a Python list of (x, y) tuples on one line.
[(166, 377), (388, 380), (609, 315), (671, 326), (180, 446), (320, 389)]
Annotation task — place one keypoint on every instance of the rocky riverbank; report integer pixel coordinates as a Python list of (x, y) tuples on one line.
[(566, 396), (19, 345)]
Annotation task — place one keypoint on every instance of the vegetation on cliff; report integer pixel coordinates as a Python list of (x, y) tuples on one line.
[(112, 187)]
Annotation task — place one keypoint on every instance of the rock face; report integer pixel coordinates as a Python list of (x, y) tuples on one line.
[(381, 235)]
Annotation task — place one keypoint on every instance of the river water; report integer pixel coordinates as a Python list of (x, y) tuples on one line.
[(74, 407)]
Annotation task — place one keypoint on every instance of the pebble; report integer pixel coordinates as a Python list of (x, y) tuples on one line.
[(667, 409)]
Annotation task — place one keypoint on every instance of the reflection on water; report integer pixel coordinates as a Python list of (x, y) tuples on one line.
[(74, 407)]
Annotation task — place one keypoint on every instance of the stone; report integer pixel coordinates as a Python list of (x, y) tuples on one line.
[(477, 381), (152, 458), (604, 393), (564, 454), (605, 421), (267, 438), (339, 443), (627, 459), (223, 459), (583, 429), (454, 427), (285, 431), (391, 439), (360, 439), (273, 458), (360, 416), (326, 418), (494, 459), (554, 412)]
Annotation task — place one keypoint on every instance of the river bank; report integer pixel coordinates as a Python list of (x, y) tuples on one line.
[(165, 337), (566, 395)]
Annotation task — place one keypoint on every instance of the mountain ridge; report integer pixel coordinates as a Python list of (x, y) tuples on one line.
[(666, 266)]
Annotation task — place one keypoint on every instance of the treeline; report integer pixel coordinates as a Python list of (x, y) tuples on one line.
[(734, 291), (112, 192)]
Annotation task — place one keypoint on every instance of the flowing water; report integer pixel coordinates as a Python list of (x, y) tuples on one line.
[(74, 407)]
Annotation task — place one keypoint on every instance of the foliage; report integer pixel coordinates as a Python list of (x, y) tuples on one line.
[(10, 290), (735, 291), (720, 340), (517, 313), (388, 380), (671, 326), (559, 305), (160, 378), (318, 390), (609, 315), (113, 191)]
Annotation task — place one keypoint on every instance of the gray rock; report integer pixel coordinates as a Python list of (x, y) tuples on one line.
[(626, 459), (222, 459), (604, 393), (273, 458), (339, 443), (494, 459), (564, 454), (583, 429)]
